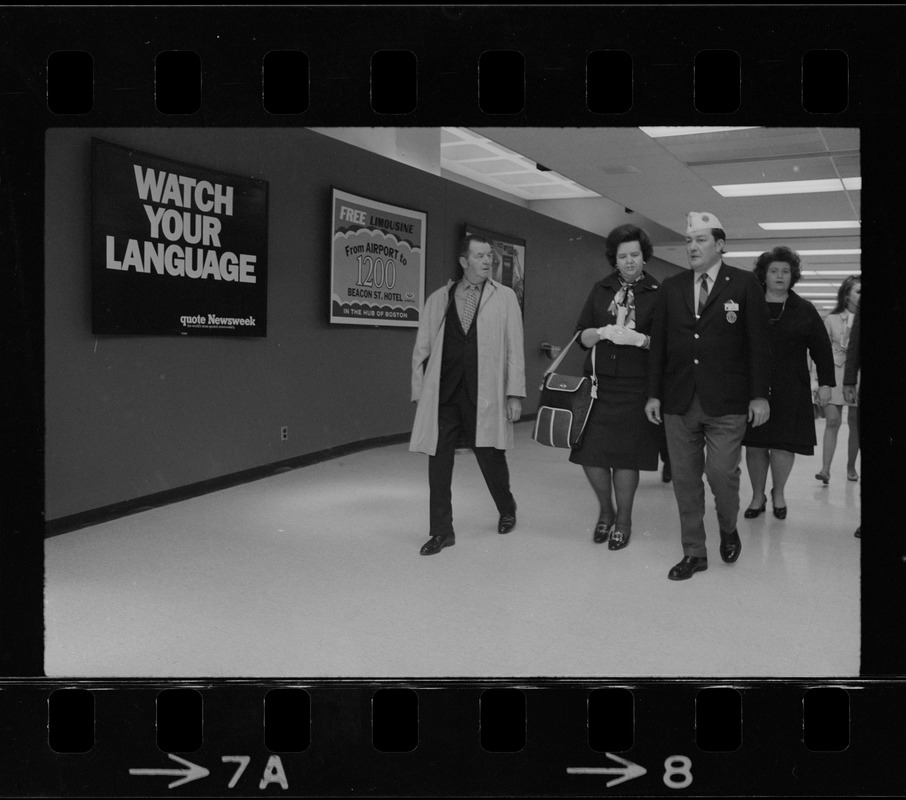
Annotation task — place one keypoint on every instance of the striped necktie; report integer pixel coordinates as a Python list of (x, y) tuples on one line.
[(470, 303), (703, 294)]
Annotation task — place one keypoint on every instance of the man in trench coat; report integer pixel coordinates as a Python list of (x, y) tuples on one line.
[(468, 379)]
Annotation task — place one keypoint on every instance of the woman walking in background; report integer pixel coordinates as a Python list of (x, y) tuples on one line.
[(839, 324), (796, 333)]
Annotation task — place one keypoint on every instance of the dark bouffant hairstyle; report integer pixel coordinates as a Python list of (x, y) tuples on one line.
[(781, 253), (623, 234), (843, 293)]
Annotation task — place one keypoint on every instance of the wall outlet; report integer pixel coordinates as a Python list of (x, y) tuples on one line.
[(284, 433)]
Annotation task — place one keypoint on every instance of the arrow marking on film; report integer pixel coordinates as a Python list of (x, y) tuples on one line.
[(193, 773), (627, 772)]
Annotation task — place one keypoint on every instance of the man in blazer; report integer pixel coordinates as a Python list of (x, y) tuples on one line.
[(468, 378), (709, 375)]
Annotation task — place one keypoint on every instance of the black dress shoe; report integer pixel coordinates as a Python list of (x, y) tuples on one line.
[(437, 543), (780, 513), (730, 546), (618, 539), (666, 474), (688, 567), (858, 533), (507, 522), (751, 513), (602, 531)]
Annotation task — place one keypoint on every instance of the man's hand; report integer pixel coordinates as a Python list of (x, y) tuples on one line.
[(653, 410), (849, 394), (622, 335), (513, 408), (759, 411)]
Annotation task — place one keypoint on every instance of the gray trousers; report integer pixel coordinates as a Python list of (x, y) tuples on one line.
[(703, 444)]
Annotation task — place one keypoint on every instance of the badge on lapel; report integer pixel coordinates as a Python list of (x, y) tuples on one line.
[(731, 308)]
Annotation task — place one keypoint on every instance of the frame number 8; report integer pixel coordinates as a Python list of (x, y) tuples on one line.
[(678, 772)]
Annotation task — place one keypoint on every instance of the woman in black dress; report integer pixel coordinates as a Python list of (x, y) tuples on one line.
[(619, 440), (796, 332)]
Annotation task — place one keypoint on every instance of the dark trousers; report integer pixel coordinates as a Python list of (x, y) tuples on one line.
[(456, 419), (701, 443)]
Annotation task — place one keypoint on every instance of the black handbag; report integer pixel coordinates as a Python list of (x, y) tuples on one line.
[(565, 404)]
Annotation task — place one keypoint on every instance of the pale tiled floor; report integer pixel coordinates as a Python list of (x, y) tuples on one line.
[(316, 573)]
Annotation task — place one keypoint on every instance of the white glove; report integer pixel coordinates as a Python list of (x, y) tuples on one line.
[(605, 332), (626, 336)]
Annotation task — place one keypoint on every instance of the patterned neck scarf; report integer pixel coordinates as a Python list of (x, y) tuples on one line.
[(623, 303)]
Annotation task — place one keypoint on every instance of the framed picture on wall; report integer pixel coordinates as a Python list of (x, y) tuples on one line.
[(176, 248), (377, 262), (509, 260)]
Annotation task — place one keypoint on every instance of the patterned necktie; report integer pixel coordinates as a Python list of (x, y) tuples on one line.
[(469, 305), (703, 294)]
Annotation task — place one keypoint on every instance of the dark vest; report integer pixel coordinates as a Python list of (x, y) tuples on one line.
[(459, 362)]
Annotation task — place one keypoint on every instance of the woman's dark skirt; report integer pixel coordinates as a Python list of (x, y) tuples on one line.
[(618, 434), (755, 437)]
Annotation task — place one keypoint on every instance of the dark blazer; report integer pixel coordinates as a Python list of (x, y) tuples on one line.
[(459, 360), (614, 360), (725, 356)]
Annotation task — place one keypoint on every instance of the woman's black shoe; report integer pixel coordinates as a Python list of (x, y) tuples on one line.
[(618, 539), (602, 532), (751, 513), (780, 513)]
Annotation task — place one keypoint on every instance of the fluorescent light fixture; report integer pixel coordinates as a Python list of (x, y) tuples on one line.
[(660, 132), (852, 184), (806, 283), (810, 226), (779, 187), (854, 251), (830, 273), (816, 294)]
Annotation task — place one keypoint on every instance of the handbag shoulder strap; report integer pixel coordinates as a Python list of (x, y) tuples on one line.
[(594, 372), (553, 367)]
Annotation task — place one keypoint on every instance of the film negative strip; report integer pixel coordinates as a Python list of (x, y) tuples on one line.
[(144, 75)]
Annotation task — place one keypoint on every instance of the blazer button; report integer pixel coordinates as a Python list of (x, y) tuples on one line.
[(695, 335), (614, 356), (695, 360)]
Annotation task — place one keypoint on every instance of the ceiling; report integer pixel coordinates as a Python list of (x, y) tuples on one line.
[(662, 178)]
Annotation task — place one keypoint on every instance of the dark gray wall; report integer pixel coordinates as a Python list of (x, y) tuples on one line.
[(132, 416)]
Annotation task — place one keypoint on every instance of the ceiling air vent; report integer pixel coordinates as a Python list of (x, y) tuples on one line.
[(619, 170)]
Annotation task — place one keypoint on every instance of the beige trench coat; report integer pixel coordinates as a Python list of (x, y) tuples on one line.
[(501, 367)]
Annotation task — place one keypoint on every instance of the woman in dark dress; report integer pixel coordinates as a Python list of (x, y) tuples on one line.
[(619, 440), (797, 333)]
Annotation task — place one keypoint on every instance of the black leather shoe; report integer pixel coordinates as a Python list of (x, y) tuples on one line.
[(858, 533), (780, 513), (437, 543), (730, 546), (507, 522), (666, 474), (752, 513), (602, 532), (688, 567), (618, 539)]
